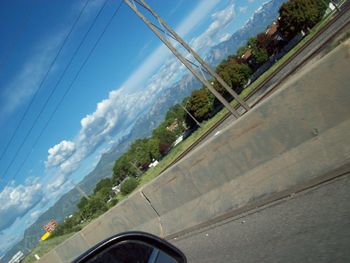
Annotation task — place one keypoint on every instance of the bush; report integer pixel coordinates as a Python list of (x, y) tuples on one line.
[(113, 202), (129, 185)]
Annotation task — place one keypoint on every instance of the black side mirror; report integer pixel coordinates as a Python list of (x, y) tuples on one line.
[(132, 247)]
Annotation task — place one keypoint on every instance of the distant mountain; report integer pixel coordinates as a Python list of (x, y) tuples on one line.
[(145, 123), (170, 96), (261, 19)]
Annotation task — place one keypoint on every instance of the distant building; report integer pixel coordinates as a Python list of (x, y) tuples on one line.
[(248, 57), (18, 257), (178, 140), (273, 32), (116, 189), (153, 164), (173, 126)]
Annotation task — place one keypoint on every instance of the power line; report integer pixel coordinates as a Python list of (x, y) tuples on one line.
[(54, 89), (42, 81), (67, 91)]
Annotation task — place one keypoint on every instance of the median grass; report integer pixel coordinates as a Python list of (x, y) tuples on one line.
[(44, 247), (180, 148)]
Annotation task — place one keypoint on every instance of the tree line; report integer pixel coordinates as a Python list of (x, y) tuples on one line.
[(294, 16)]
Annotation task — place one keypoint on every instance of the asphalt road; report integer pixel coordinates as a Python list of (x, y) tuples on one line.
[(311, 226), (296, 64)]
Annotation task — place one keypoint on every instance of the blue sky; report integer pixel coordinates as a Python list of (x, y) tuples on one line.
[(127, 70)]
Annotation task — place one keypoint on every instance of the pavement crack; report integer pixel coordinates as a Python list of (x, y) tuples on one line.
[(158, 215)]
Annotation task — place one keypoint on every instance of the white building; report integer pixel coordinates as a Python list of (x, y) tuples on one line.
[(178, 140), (18, 257), (153, 164)]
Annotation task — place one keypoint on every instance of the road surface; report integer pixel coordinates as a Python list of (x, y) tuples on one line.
[(311, 226)]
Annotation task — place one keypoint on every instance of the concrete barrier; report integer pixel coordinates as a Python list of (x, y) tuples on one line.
[(120, 218), (296, 136)]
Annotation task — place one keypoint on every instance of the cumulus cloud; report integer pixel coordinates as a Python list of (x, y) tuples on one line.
[(243, 9), (212, 34), (59, 153), (17, 201)]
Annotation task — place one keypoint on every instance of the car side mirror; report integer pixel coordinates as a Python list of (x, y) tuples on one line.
[(132, 247)]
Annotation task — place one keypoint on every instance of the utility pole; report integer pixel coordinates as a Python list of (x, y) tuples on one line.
[(83, 194), (189, 114), (335, 5), (325, 3), (331, 2), (163, 32), (139, 172)]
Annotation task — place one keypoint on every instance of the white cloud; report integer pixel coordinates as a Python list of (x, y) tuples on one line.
[(195, 17), (56, 183), (225, 37), (59, 153), (17, 201), (211, 35), (243, 9), (28, 201), (35, 214)]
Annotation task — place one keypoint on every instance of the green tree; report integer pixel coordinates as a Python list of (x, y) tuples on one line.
[(268, 43), (69, 225), (259, 53), (82, 203), (298, 15), (113, 202), (165, 136), (234, 74), (123, 168), (103, 183), (153, 148), (105, 193), (200, 104), (129, 185), (95, 207), (177, 113)]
